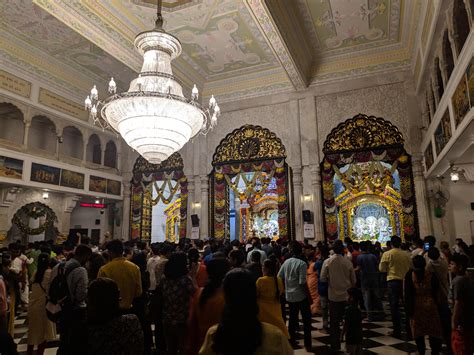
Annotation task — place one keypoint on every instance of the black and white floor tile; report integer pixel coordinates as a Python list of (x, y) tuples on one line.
[(376, 339)]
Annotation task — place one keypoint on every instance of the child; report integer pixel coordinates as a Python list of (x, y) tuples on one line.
[(352, 328)]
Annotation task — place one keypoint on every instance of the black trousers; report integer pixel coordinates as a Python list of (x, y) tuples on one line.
[(295, 308), (336, 315), (73, 332)]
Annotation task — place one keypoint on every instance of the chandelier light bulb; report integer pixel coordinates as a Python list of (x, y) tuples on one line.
[(112, 86), (153, 116), (94, 111), (195, 92), (94, 93), (212, 102), (88, 103)]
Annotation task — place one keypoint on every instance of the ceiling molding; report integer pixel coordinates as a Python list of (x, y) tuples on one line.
[(274, 38)]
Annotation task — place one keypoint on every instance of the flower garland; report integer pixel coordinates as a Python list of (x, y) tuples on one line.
[(34, 210)]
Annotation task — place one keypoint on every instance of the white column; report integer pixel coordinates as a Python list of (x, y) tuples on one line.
[(102, 155), (317, 202), (424, 220), (126, 210), (190, 206), (25, 133), (298, 195), (204, 215), (84, 150)]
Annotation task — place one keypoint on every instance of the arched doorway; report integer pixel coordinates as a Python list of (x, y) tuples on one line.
[(250, 186), (159, 200), (367, 182)]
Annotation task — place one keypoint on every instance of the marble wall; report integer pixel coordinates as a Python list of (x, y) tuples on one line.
[(302, 121)]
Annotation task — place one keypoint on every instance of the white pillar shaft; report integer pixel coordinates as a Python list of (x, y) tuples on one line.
[(25, 134), (424, 220), (317, 202), (126, 212), (297, 194)]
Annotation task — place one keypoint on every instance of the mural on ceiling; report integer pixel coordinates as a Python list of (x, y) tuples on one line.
[(352, 24), (36, 27), (204, 28), (224, 44)]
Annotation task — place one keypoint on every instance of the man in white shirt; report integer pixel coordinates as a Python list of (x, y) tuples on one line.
[(338, 272), (151, 266)]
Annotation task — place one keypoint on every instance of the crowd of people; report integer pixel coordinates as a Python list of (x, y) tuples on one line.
[(222, 297)]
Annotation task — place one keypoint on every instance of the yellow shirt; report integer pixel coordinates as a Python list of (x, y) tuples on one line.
[(127, 277), (273, 342), (395, 263)]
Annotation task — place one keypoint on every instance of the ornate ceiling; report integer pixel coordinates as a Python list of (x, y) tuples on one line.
[(232, 48)]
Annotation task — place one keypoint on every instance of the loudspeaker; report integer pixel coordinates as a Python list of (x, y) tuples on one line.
[(195, 220), (307, 216), (472, 206)]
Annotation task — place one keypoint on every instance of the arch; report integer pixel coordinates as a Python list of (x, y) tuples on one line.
[(249, 143), (11, 121), (158, 185), (362, 132), (249, 164), (448, 55), (42, 134), (439, 78), (72, 142), (461, 24), (94, 150), (364, 157), (110, 155)]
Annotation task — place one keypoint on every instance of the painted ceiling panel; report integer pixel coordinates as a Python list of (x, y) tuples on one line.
[(34, 26)]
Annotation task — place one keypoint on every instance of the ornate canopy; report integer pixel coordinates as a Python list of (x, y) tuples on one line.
[(362, 133), (249, 143), (174, 162)]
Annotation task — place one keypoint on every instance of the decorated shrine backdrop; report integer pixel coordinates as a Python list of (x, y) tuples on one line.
[(375, 145), (43, 218), (249, 149), (147, 176)]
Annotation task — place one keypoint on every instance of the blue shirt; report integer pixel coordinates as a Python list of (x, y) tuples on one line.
[(293, 274), (368, 267)]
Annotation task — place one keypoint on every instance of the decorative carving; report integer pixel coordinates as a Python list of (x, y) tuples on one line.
[(9, 195), (174, 162), (362, 133), (249, 143)]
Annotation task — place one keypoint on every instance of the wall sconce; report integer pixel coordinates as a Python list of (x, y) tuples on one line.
[(46, 195), (454, 174), (307, 197), (196, 205)]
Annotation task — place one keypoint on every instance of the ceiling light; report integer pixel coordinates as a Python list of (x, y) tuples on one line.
[(153, 116), (45, 195), (454, 176), (97, 201)]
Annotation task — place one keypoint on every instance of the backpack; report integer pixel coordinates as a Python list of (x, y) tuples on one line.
[(59, 298)]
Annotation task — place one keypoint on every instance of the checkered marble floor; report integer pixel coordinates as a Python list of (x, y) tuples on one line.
[(376, 339)]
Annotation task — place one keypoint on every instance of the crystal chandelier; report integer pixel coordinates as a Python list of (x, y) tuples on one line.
[(153, 116)]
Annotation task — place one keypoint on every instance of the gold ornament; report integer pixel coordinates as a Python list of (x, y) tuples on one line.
[(362, 133)]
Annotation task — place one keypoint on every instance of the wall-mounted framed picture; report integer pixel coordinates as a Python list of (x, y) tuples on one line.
[(45, 174)]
